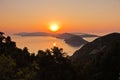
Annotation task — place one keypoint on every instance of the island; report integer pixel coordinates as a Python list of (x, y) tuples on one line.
[(71, 39)]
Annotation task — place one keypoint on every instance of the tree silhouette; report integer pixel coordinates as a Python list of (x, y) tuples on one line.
[(1, 37), (7, 66), (55, 64)]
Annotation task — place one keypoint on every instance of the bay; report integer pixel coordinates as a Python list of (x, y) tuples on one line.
[(35, 43)]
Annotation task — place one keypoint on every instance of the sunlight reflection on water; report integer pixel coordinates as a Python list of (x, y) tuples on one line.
[(42, 43)]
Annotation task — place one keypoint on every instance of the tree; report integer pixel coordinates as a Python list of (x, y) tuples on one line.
[(7, 67), (1, 37), (54, 65)]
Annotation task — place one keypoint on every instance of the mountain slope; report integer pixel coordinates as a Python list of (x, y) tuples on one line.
[(98, 45), (100, 59)]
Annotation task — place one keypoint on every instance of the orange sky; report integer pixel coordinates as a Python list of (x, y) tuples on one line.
[(89, 16)]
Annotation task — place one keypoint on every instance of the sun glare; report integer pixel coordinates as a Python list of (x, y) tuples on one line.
[(54, 44), (54, 27)]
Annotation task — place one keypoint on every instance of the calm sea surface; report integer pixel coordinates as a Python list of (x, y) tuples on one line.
[(42, 43)]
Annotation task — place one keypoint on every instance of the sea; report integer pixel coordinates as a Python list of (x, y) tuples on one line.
[(35, 43)]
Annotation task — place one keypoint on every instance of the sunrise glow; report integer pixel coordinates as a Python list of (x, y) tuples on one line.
[(54, 44), (54, 27), (54, 16)]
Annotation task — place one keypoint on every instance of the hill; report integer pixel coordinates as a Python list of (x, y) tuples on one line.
[(86, 35), (100, 58), (71, 39), (75, 41)]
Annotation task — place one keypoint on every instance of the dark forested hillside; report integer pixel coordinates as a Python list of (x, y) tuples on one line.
[(98, 60), (19, 64)]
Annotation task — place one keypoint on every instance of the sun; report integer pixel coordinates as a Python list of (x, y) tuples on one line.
[(54, 27)]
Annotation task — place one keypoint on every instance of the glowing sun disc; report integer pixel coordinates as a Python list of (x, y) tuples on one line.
[(54, 27), (54, 44)]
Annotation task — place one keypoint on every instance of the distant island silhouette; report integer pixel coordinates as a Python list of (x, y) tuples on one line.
[(73, 39), (57, 35)]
